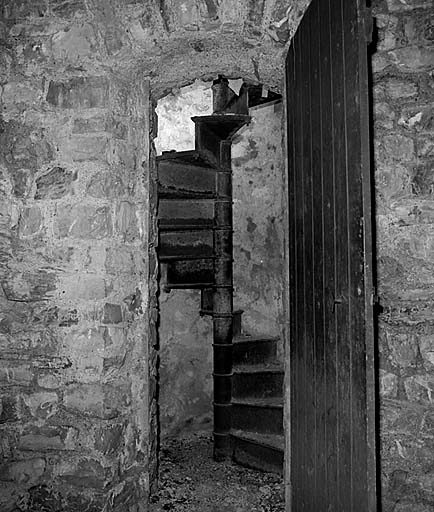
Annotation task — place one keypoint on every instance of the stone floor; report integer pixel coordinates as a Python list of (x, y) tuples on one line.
[(191, 481)]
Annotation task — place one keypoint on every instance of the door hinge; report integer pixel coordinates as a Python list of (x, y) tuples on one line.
[(375, 299)]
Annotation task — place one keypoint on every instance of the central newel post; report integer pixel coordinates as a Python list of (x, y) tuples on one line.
[(213, 140)]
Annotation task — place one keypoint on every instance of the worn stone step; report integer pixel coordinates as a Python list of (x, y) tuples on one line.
[(264, 452), (254, 349), (258, 380), (260, 415)]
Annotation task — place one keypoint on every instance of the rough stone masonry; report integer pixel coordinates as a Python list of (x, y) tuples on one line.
[(77, 232)]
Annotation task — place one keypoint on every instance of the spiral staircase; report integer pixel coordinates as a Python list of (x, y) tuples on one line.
[(195, 252)]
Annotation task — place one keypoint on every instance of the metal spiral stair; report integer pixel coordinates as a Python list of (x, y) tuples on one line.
[(195, 252)]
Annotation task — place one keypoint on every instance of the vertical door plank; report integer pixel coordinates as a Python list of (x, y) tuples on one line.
[(292, 252), (308, 240), (299, 234), (341, 300), (356, 285), (331, 454), (320, 484), (327, 99)]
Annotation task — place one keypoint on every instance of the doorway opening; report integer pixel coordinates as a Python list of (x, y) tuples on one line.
[(186, 323)]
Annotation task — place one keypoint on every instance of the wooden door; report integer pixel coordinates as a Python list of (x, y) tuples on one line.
[(332, 424)]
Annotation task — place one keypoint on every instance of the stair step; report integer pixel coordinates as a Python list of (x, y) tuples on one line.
[(191, 157), (258, 381), (175, 211), (254, 349), (184, 274), (181, 225), (261, 415), (212, 130), (185, 244), (258, 451), (185, 177)]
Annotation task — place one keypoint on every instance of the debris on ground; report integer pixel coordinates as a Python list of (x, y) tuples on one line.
[(191, 481)]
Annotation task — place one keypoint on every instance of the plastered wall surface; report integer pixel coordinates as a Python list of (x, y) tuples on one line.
[(258, 168)]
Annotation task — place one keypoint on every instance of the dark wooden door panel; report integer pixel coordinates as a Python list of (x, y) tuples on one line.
[(332, 455)]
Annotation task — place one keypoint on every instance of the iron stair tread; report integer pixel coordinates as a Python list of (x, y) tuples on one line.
[(266, 367), (190, 157), (187, 286), (223, 126), (276, 441), (183, 257), (188, 226), (275, 402), (167, 193), (247, 338)]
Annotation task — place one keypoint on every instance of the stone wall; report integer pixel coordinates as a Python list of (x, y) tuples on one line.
[(403, 67), (74, 293)]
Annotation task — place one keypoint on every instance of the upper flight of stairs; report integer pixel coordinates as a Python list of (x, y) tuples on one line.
[(195, 252)]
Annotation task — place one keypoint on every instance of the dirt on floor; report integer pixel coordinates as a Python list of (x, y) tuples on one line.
[(191, 481)]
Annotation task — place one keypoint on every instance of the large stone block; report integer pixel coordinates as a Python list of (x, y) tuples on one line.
[(97, 400), (83, 222), (55, 184), (74, 43), (17, 96), (24, 471), (93, 124), (413, 59), (16, 10), (89, 148), (423, 179), (67, 8), (399, 89), (80, 92), (420, 29), (388, 384), (108, 184), (126, 221), (10, 410), (42, 405), (30, 221), (395, 147), (403, 348), (15, 375), (40, 439), (85, 350), (23, 150), (29, 286), (384, 115), (85, 472), (407, 5), (420, 388), (112, 314), (121, 260), (109, 440), (388, 31), (79, 287)]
